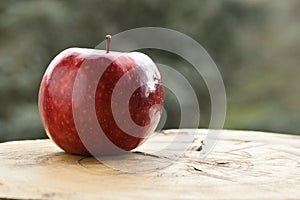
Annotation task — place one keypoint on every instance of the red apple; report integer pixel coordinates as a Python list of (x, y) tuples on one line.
[(96, 102)]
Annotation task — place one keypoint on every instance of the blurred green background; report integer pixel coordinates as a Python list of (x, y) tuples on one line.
[(255, 44)]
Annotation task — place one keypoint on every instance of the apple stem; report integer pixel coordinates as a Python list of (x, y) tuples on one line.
[(108, 38)]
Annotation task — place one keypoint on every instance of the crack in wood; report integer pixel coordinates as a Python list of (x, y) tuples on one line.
[(198, 148), (148, 154), (200, 171), (248, 147), (215, 163), (79, 161)]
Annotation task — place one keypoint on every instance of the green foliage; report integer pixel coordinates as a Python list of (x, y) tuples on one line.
[(254, 43)]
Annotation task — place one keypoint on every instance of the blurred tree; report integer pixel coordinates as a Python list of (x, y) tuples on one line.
[(254, 43)]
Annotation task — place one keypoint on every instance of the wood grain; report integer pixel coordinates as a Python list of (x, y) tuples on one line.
[(243, 165)]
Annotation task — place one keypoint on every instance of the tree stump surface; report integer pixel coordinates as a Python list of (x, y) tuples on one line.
[(242, 165)]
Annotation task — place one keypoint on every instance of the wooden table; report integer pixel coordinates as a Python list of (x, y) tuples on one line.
[(243, 165)]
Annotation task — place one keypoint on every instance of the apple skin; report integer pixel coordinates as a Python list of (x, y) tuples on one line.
[(57, 101)]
